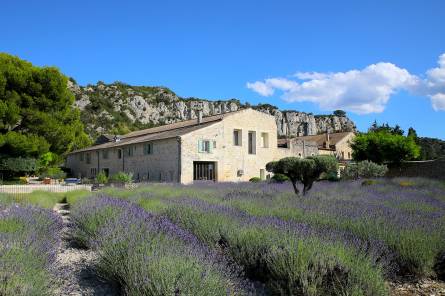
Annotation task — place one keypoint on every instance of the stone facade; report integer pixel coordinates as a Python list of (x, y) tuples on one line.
[(297, 147), (159, 166), (335, 144), (235, 148)]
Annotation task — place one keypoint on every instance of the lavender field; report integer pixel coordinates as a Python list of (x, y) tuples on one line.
[(342, 238)]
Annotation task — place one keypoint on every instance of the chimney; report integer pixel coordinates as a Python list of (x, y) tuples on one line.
[(327, 142), (199, 116)]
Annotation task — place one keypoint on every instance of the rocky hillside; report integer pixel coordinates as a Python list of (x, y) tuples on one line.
[(119, 108)]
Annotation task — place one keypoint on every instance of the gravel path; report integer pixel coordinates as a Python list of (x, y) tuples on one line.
[(75, 266)]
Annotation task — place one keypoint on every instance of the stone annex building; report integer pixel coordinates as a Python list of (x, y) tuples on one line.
[(233, 146)]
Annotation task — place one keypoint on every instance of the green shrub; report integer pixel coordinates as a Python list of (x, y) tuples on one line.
[(53, 173), (255, 179), (369, 182), (364, 169), (102, 178), (279, 178), (331, 176), (122, 177)]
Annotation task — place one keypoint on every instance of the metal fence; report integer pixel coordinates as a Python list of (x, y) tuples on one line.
[(24, 189)]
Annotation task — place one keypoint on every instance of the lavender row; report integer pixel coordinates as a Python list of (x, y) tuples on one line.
[(29, 241), (149, 255)]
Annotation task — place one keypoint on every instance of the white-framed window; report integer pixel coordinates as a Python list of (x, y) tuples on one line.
[(206, 146), (264, 140), (148, 148), (237, 137)]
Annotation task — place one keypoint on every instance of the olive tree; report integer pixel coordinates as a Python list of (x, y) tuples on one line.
[(304, 170)]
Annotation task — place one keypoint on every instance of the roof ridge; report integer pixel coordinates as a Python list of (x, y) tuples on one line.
[(177, 125)]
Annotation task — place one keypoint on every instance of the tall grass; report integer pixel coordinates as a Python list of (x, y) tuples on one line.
[(44, 199)]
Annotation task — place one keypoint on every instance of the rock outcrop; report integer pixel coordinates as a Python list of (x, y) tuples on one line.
[(119, 108)]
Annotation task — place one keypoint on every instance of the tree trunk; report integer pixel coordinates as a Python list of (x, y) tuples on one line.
[(294, 184)]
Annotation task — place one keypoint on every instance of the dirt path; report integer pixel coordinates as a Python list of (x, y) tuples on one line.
[(421, 288), (75, 266)]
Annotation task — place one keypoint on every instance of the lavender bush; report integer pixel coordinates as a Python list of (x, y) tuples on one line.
[(359, 233), (29, 241), (149, 255)]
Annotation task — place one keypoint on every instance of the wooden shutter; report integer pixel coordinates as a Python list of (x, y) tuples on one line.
[(199, 145)]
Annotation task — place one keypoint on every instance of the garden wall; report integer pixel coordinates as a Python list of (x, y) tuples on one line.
[(428, 169)]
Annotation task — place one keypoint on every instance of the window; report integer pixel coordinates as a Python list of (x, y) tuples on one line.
[(93, 171), (119, 153), (252, 142), (237, 137), (88, 158), (342, 155), (264, 140), (349, 155), (81, 156), (106, 172), (105, 154), (129, 151), (148, 148), (205, 146)]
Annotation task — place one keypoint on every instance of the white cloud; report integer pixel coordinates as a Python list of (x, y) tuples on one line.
[(261, 88), (435, 84), (438, 101), (361, 91)]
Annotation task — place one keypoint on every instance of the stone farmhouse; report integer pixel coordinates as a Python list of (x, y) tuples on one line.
[(336, 144), (233, 146)]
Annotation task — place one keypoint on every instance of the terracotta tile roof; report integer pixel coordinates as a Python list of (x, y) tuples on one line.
[(161, 132)]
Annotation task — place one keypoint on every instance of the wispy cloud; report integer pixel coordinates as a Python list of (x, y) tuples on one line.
[(361, 91)]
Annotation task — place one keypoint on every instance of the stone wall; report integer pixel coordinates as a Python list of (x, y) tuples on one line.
[(298, 148), (428, 169), (160, 166)]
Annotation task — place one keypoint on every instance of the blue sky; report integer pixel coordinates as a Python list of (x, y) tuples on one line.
[(376, 59)]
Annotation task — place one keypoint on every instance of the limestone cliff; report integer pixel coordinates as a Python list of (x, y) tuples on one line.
[(119, 108)]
